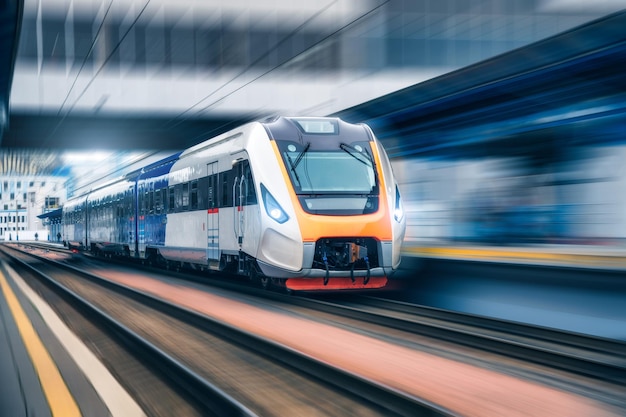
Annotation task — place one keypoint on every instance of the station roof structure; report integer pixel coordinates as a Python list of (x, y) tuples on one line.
[(571, 80), (53, 215), (567, 90)]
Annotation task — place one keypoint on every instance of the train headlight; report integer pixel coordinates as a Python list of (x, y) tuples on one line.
[(398, 211), (272, 208)]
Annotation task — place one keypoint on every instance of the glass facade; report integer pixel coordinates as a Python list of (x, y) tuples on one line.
[(396, 34)]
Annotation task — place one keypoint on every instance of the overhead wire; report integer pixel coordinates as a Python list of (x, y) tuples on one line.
[(104, 63), (110, 55), (261, 57), (180, 118), (86, 58), (285, 62)]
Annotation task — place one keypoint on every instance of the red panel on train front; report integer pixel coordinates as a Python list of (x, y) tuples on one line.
[(317, 284)]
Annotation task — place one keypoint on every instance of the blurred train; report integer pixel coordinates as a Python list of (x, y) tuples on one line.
[(301, 203)]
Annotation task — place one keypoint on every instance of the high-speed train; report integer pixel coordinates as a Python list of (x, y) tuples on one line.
[(302, 203)]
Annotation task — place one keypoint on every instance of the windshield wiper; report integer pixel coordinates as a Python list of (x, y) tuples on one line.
[(293, 169), (353, 152), (363, 157), (294, 165), (301, 154)]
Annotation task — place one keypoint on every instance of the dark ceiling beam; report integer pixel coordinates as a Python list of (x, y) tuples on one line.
[(112, 132)]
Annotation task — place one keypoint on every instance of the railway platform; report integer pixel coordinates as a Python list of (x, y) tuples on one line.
[(575, 288), (606, 257), (46, 370)]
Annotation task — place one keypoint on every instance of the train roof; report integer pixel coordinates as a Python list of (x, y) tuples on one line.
[(302, 128), (154, 169), (312, 130)]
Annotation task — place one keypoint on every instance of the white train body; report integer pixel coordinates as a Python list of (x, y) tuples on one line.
[(307, 203)]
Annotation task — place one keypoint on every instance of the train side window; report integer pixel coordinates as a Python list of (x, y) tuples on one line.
[(140, 202), (185, 196), (194, 194), (226, 189), (119, 210), (172, 200), (211, 191), (178, 198), (144, 205), (203, 189), (151, 202), (129, 203), (249, 191), (157, 201), (164, 199)]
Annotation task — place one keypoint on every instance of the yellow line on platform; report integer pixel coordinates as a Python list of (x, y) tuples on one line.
[(495, 254), (59, 398)]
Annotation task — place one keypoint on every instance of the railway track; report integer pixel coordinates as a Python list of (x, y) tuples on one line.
[(206, 361), (601, 359), (587, 366)]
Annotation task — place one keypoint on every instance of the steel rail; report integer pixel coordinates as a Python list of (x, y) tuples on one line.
[(396, 402), (599, 358), (214, 401)]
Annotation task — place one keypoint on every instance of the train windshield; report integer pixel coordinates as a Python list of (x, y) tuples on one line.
[(348, 170)]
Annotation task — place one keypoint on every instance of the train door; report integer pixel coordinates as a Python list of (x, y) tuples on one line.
[(240, 187), (142, 205), (244, 205), (213, 246), (84, 223), (131, 210)]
